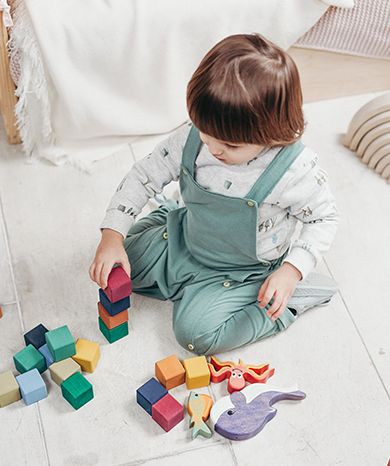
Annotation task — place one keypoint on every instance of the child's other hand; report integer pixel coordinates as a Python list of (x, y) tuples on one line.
[(280, 285), (109, 252)]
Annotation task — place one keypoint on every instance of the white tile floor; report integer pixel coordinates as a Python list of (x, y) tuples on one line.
[(339, 355)]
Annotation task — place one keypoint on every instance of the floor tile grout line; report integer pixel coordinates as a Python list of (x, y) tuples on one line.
[(360, 335)]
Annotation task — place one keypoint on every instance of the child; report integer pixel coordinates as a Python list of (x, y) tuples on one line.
[(226, 256)]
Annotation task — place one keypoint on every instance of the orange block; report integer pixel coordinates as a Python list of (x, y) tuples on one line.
[(170, 372), (1, 312), (112, 321)]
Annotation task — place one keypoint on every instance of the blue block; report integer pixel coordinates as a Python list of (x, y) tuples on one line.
[(113, 308), (149, 393), (36, 336), (44, 350), (32, 386)]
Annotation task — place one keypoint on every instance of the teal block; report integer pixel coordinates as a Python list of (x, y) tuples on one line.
[(60, 343), (77, 390), (115, 333), (29, 358)]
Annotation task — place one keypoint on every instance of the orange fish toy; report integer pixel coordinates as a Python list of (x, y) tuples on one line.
[(198, 408)]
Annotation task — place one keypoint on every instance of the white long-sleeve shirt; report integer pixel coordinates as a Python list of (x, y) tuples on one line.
[(302, 195)]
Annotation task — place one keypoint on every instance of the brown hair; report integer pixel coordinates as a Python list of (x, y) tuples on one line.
[(247, 90)]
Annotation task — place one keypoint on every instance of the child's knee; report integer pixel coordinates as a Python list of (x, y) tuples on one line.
[(194, 337)]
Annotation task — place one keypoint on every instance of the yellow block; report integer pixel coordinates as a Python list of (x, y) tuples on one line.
[(87, 354), (197, 372)]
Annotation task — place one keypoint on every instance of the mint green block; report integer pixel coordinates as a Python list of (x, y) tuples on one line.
[(115, 333), (77, 390), (60, 343), (29, 358)]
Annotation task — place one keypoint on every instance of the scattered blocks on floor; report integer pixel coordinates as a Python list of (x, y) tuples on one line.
[(29, 358), (115, 333), (118, 285), (112, 321), (9, 389), (44, 350), (62, 370), (113, 308), (170, 372), (77, 390), (32, 386), (87, 354), (197, 372), (36, 336), (167, 412), (149, 393), (61, 343)]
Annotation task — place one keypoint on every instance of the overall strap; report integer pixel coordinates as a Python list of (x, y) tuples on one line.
[(275, 171), (191, 150)]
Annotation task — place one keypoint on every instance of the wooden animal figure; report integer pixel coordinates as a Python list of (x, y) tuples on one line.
[(238, 374), (243, 414), (198, 408)]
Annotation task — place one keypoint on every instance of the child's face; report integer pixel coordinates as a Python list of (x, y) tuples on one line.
[(229, 153)]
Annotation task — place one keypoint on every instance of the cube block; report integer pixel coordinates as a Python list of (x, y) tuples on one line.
[(9, 389), (32, 386), (115, 333), (170, 372), (113, 308), (1, 312), (29, 358), (36, 336), (197, 372), (167, 412), (118, 285), (62, 370), (112, 321), (61, 343), (149, 393), (87, 354), (77, 390), (44, 350)]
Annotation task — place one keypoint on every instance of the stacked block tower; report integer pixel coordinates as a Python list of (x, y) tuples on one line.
[(114, 304)]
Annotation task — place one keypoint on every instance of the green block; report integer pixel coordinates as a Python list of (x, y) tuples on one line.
[(77, 390), (115, 333), (61, 343), (29, 358)]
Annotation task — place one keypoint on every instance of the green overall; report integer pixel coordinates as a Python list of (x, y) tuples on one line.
[(203, 258)]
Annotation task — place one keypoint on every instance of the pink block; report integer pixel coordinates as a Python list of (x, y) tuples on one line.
[(167, 412), (118, 285)]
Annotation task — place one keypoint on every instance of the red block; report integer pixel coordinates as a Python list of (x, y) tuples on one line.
[(167, 412), (118, 285)]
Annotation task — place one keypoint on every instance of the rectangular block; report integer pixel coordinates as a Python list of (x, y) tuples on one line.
[(114, 334), (167, 412), (87, 354), (112, 321), (36, 336), (44, 350), (32, 386), (149, 393), (113, 308), (118, 285), (170, 372), (77, 390), (9, 389), (61, 343), (62, 370), (197, 372), (29, 358)]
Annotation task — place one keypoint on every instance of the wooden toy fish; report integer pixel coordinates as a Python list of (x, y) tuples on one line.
[(244, 413), (199, 407)]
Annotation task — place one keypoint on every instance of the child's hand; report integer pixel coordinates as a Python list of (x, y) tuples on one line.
[(109, 252), (280, 285)]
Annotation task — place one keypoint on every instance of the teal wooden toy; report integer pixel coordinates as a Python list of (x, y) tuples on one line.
[(60, 343), (77, 390), (36, 336), (29, 358), (44, 350), (115, 333), (32, 386)]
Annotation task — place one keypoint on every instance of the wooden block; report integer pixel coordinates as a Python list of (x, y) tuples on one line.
[(118, 285), (113, 308), (170, 372), (77, 390), (29, 358), (62, 370), (87, 354), (36, 336), (149, 393), (9, 389), (115, 333), (61, 343), (32, 386), (112, 321), (44, 350), (197, 372), (1, 312), (167, 412)]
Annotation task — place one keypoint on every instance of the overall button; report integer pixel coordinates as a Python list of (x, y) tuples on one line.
[(165, 235), (190, 347), (250, 203), (226, 284)]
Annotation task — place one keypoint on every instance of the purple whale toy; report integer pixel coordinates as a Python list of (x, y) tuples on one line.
[(243, 414)]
